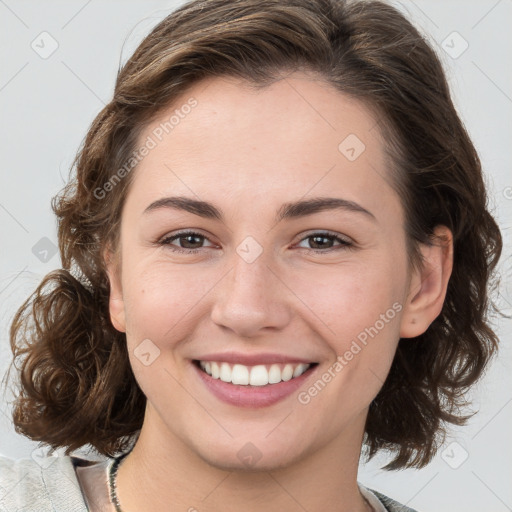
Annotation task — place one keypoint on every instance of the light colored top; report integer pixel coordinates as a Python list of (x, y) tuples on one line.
[(51, 484)]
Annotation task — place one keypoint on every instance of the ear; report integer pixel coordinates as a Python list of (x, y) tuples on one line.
[(428, 285), (116, 302)]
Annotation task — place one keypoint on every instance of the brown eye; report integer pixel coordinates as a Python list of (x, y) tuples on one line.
[(189, 242), (191, 239), (323, 242)]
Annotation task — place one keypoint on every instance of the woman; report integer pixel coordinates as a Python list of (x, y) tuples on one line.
[(276, 252)]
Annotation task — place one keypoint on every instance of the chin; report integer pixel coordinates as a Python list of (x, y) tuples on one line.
[(244, 455)]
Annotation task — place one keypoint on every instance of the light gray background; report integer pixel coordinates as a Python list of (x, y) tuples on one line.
[(47, 105)]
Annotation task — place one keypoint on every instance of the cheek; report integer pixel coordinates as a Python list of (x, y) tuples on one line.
[(351, 299), (162, 299), (358, 314), (357, 310), (162, 306)]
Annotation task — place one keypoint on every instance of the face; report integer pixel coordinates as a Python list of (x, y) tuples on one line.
[(261, 285)]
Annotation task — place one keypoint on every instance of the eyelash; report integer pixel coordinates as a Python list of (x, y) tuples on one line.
[(344, 244)]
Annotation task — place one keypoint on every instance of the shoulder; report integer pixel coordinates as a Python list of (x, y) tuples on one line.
[(42, 484), (391, 505), (382, 503)]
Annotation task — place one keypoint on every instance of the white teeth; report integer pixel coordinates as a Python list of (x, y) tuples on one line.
[(299, 370), (259, 375), (239, 375), (225, 372), (287, 372), (274, 374)]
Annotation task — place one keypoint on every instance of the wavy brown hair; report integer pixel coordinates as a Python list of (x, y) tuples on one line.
[(76, 383)]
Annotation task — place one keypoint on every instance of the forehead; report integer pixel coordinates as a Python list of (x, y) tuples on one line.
[(226, 139)]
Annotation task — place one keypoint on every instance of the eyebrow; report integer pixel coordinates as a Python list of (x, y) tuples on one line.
[(291, 210)]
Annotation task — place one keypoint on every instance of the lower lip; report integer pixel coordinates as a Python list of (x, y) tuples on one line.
[(253, 396)]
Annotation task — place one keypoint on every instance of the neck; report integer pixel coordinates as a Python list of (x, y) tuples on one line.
[(162, 473)]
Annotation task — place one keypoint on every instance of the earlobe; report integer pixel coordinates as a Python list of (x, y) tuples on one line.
[(428, 285), (116, 302)]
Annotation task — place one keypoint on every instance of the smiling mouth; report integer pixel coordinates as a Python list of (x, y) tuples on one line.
[(258, 375)]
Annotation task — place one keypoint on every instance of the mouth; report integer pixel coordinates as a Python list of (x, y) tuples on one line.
[(253, 386), (257, 375)]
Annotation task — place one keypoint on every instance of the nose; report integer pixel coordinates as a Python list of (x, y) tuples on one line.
[(251, 298)]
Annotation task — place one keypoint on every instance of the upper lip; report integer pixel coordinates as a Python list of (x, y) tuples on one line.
[(252, 359)]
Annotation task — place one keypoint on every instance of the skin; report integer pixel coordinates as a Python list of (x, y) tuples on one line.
[(248, 152)]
